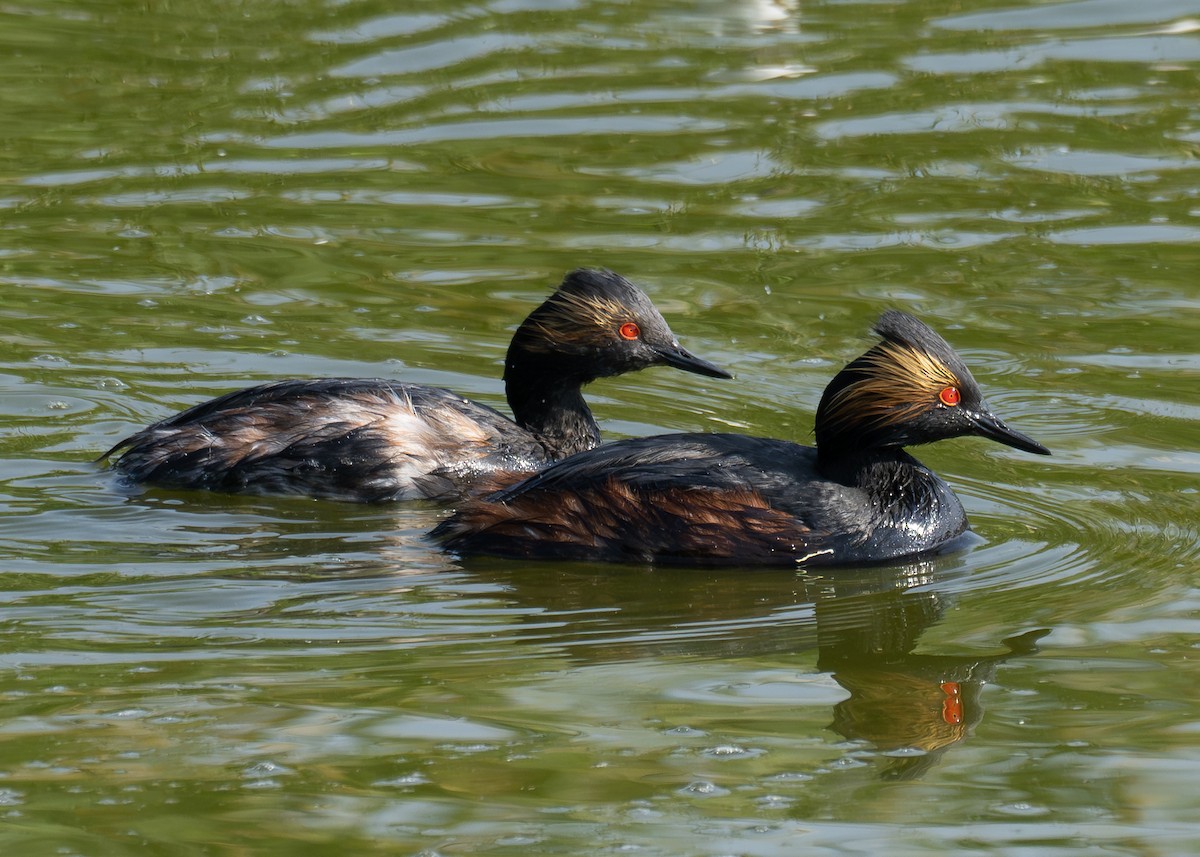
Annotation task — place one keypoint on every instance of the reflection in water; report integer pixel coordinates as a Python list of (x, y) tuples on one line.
[(912, 707), (863, 623)]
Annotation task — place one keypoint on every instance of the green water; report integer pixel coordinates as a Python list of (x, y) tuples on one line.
[(196, 197)]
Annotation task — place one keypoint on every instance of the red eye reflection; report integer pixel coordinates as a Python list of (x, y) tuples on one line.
[(952, 705), (950, 396), (629, 330)]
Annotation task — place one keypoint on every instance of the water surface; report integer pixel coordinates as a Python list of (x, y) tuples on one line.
[(197, 198)]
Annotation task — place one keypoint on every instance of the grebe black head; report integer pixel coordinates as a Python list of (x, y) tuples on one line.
[(911, 388), (371, 439), (596, 324), (703, 499)]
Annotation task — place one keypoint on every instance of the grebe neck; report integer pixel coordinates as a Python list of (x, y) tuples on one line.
[(891, 475), (546, 396), (900, 487)]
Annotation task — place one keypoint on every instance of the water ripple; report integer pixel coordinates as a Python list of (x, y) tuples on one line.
[(203, 200)]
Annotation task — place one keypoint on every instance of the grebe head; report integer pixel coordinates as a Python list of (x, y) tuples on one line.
[(598, 324), (911, 388)]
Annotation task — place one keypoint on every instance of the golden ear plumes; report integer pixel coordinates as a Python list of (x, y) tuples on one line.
[(897, 382), (581, 319)]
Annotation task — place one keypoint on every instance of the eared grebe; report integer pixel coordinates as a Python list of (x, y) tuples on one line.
[(729, 499), (366, 440)]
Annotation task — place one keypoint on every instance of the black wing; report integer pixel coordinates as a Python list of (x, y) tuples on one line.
[(686, 499)]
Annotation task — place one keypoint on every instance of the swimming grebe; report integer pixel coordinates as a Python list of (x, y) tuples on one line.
[(367, 440), (728, 499)]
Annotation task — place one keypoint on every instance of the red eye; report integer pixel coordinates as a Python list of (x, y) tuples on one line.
[(629, 330), (950, 396)]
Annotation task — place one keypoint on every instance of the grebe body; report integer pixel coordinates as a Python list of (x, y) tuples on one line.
[(367, 440)]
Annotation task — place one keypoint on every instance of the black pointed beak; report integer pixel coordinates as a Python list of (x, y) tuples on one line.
[(675, 355), (991, 426)]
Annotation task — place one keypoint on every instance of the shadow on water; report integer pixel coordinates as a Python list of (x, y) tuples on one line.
[(864, 625)]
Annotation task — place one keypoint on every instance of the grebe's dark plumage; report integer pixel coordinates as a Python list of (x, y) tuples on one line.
[(711, 499), (368, 440)]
